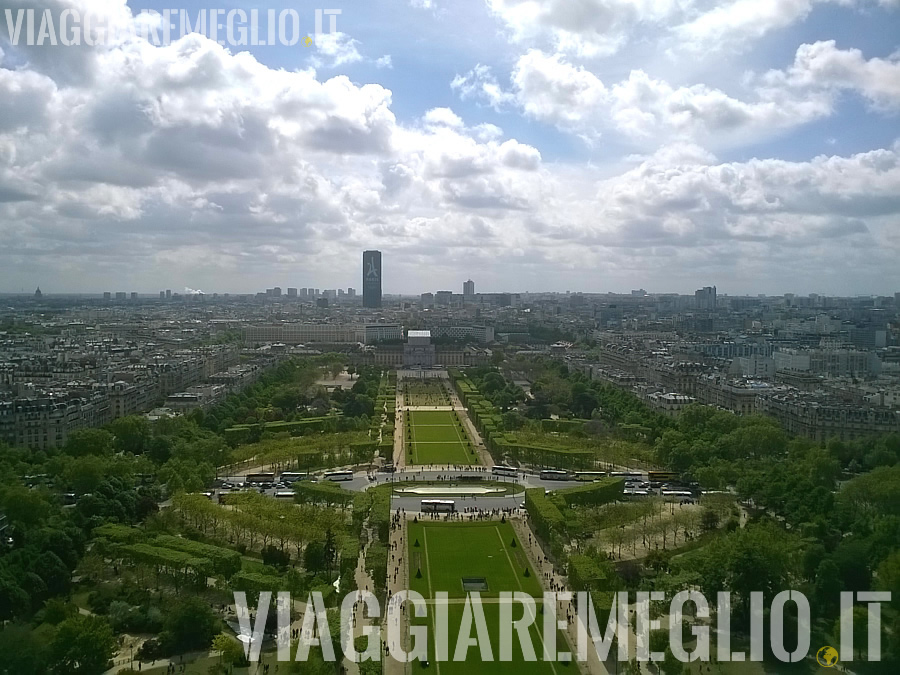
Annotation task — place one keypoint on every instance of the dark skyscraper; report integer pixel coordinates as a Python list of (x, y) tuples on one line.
[(372, 279)]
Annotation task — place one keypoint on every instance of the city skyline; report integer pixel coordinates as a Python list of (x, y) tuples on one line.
[(540, 150)]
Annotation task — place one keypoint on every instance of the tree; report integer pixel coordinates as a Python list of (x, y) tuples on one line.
[(23, 506), (14, 600), (828, 584), (230, 650), (83, 645), (888, 577), (86, 473), (329, 550), (314, 557), (82, 442), (670, 665), (491, 383), (709, 519), (24, 653), (190, 624), (132, 433)]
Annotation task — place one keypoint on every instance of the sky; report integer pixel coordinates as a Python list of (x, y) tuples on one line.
[(530, 145)]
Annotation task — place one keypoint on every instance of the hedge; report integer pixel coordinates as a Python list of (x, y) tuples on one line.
[(310, 492), (380, 513), (587, 574), (349, 555), (562, 426), (545, 516), (595, 493), (224, 561), (376, 566), (159, 556), (241, 433), (254, 582), (119, 534)]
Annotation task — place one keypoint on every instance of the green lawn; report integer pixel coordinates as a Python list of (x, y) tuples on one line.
[(446, 553), (438, 439), (473, 663)]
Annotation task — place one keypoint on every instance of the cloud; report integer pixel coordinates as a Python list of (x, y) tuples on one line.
[(336, 49), (551, 89), (737, 23), (191, 165), (582, 28), (822, 66)]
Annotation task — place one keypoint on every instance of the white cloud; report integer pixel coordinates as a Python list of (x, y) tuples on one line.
[(583, 28), (336, 49), (207, 168), (824, 67), (735, 24), (384, 62), (551, 89)]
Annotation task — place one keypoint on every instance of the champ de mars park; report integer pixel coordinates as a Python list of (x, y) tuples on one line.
[(428, 520)]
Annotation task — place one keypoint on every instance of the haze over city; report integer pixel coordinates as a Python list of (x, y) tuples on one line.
[(597, 146)]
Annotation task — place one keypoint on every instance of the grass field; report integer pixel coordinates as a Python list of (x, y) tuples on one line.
[(446, 553), (435, 438), (424, 392)]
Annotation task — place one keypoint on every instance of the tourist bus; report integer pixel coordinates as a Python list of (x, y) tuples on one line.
[(260, 478), (637, 475), (289, 477), (554, 474), (438, 506), (662, 476), (503, 470), (339, 475), (590, 475), (284, 494)]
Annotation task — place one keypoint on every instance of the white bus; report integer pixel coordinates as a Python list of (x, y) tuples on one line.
[(289, 477), (438, 506), (339, 475), (503, 470), (627, 474), (554, 474), (589, 475), (284, 494), (685, 494)]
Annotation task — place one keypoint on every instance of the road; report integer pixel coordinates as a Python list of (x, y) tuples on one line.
[(440, 475)]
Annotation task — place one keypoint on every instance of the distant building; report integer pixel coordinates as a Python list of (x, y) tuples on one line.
[(372, 279), (706, 298), (133, 295), (418, 350), (38, 293), (351, 292), (121, 295), (168, 294), (162, 295), (292, 292), (469, 289), (443, 297), (301, 333), (107, 295), (380, 332)]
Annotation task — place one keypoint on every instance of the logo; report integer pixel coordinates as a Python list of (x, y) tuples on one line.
[(827, 657), (372, 272), (307, 41)]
